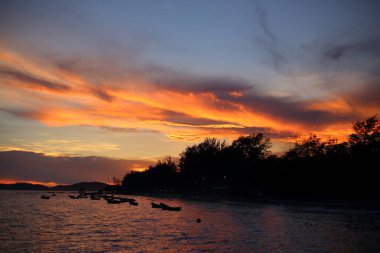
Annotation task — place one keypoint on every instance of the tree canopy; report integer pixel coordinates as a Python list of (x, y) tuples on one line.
[(311, 168)]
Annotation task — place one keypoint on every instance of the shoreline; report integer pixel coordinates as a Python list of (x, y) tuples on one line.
[(355, 204), (307, 202)]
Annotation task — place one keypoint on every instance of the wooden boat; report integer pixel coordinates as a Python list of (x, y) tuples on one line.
[(45, 197)]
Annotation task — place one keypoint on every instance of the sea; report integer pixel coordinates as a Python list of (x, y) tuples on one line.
[(60, 224)]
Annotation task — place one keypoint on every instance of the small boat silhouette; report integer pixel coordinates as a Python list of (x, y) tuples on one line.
[(45, 197), (165, 207), (133, 203), (155, 205), (94, 197), (113, 201)]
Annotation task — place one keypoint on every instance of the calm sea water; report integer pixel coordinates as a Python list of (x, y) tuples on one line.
[(60, 224)]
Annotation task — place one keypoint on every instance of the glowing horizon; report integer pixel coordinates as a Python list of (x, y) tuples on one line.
[(13, 181)]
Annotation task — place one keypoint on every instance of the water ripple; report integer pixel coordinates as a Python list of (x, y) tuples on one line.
[(29, 224)]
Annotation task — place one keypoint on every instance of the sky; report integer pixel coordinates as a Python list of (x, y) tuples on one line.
[(129, 82)]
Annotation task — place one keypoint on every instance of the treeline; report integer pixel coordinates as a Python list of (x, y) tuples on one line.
[(312, 168)]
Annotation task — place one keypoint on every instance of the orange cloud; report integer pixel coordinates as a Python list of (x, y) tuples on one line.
[(64, 97)]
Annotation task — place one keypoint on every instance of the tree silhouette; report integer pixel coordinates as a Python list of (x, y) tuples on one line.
[(202, 164), (310, 147), (312, 168), (161, 176), (252, 147), (366, 136)]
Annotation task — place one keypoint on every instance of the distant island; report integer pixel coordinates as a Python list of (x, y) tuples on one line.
[(88, 186)]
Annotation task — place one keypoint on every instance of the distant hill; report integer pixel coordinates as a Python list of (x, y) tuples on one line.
[(23, 186), (88, 186)]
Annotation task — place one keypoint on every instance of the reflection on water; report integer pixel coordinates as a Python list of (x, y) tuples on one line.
[(29, 223)]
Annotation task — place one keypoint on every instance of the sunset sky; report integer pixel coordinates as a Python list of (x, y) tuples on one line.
[(128, 82)]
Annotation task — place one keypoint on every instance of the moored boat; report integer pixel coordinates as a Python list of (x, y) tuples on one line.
[(165, 207), (155, 205), (171, 208), (133, 203), (45, 197), (95, 197), (113, 201), (107, 197)]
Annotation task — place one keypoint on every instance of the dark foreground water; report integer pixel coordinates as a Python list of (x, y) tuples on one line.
[(31, 224)]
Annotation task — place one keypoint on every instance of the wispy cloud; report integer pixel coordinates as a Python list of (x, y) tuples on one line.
[(31, 80), (102, 94), (269, 42), (59, 147), (128, 130), (261, 15), (337, 50)]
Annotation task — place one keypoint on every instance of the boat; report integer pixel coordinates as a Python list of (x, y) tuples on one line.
[(45, 197), (122, 200), (73, 197), (107, 197), (95, 197), (133, 203), (165, 207), (155, 205), (171, 208), (113, 201)]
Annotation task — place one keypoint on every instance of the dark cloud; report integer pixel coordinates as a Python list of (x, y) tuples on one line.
[(182, 118), (261, 17), (32, 80), (283, 108), (70, 65), (269, 132), (102, 94), (338, 50), (191, 83), (278, 58), (25, 113), (20, 165), (289, 110), (269, 42), (367, 95), (128, 130)]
